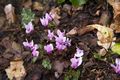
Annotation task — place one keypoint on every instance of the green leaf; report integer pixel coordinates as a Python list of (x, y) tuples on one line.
[(27, 16), (78, 2), (46, 64), (60, 1), (116, 48)]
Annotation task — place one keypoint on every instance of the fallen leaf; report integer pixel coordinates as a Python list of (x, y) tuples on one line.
[(37, 6), (72, 32), (105, 35), (10, 14), (55, 14), (16, 47), (16, 70), (84, 30)]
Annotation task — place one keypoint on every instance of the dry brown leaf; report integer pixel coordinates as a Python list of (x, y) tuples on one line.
[(72, 32), (10, 14), (55, 15), (37, 6), (84, 30), (16, 47), (16, 70), (105, 35)]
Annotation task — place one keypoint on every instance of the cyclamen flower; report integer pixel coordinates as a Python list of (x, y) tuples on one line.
[(48, 17), (61, 41), (29, 27), (48, 48), (35, 53), (28, 44), (50, 35), (116, 67), (79, 52), (32, 46), (60, 46), (76, 61), (45, 20)]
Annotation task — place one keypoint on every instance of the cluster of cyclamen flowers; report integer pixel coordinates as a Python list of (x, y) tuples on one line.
[(32, 46), (60, 40), (77, 59)]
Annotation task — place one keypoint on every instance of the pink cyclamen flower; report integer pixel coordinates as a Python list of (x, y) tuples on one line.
[(116, 67), (29, 27), (35, 47), (61, 41), (76, 62), (35, 53), (28, 44), (44, 21), (48, 17), (48, 48), (50, 35), (79, 52), (60, 46)]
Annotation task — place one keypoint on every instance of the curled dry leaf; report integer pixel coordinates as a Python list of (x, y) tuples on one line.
[(55, 15), (10, 14), (16, 70), (105, 35)]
